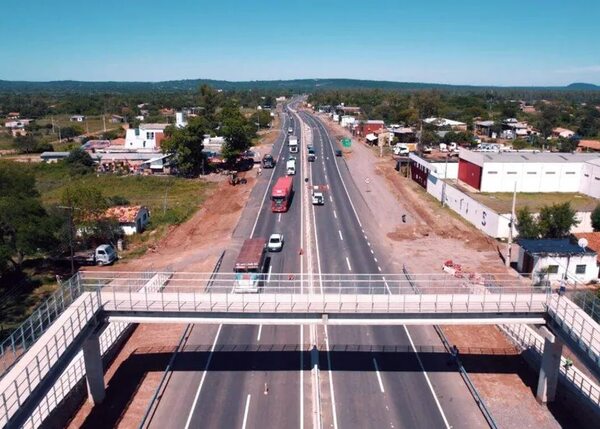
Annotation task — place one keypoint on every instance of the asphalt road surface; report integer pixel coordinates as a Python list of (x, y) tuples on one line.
[(264, 376)]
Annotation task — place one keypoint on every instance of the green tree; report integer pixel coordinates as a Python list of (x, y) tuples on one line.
[(596, 218), (80, 162), (526, 225), (237, 130), (25, 227), (555, 221), (185, 146)]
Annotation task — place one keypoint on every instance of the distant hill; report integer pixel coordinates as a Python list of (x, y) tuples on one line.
[(296, 85)]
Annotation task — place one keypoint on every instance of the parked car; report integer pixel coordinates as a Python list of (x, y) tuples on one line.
[(338, 152), (275, 243)]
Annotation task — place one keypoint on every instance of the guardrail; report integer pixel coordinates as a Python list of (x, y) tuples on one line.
[(23, 337), (577, 324), (528, 339), (31, 369)]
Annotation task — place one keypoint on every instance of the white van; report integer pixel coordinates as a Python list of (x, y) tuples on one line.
[(291, 167)]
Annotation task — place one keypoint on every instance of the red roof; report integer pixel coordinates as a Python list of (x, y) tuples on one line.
[(589, 144), (124, 214), (118, 142), (593, 239)]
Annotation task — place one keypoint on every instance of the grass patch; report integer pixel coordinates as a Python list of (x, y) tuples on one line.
[(502, 202)]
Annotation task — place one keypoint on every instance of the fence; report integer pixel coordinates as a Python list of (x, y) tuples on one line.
[(528, 339), (23, 337)]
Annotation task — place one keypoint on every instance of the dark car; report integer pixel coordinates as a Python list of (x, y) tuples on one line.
[(338, 152), (268, 161)]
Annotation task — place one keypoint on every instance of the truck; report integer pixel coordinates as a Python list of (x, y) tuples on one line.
[(403, 149), (105, 254), (281, 195), (317, 196), (250, 266), (291, 167), (268, 161), (293, 144)]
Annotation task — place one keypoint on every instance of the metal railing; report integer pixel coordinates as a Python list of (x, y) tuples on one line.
[(577, 324), (23, 337), (528, 339), (26, 375)]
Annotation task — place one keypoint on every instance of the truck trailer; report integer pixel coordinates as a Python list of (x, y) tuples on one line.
[(250, 266)]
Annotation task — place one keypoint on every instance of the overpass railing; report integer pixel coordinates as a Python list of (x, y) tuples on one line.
[(23, 337)]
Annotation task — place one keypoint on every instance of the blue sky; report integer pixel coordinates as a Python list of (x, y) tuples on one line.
[(512, 42)]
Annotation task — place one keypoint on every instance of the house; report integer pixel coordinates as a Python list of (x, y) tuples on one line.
[(117, 119), (554, 259), (147, 136), (347, 110), (52, 157), (167, 112), (13, 115), (180, 120), (17, 123), (588, 146), (593, 240), (77, 118), (512, 129), (562, 132), (132, 219), (368, 127), (446, 123), (94, 145), (531, 171), (484, 129), (404, 134), (347, 120), (125, 161)]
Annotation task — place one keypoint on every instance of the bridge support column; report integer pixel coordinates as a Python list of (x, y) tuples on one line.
[(94, 371), (550, 367)]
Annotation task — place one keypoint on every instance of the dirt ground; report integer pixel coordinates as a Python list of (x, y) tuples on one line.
[(192, 246), (430, 236)]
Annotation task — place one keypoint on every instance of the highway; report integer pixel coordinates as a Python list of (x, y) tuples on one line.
[(242, 388)]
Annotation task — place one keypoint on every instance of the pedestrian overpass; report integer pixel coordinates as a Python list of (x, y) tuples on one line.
[(101, 300)]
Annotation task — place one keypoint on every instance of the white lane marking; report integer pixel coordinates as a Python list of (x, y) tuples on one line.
[(365, 237), (341, 237), (301, 377), (334, 412), (379, 268), (330, 199), (369, 244), (259, 332), (246, 412), (268, 186), (348, 262), (363, 231), (279, 218), (386, 285), (320, 125), (372, 252), (334, 214), (375, 259), (378, 376), (212, 349), (269, 276), (437, 402)]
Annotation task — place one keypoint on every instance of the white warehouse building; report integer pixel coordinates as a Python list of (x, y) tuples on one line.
[(531, 171), (147, 136)]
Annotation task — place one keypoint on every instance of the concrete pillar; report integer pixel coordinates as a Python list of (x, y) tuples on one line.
[(550, 367), (94, 371)]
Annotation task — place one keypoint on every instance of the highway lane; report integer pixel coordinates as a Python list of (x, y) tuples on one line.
[(231, 392), (409, 400)]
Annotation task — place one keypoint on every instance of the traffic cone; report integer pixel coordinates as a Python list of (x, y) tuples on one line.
[(300, 252)]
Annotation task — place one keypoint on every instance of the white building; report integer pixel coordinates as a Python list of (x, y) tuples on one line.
[(347, 120), (180, 120), (590, 178), (77, 118), (147, 136), (554, 259), (531, 171), (132, 219), (443, 122)]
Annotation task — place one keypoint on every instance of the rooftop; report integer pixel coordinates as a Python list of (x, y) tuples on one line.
[(124, 214), (593, 239), (553, 246), (153, 126), (442, 122), (589, 144), (522, 157)]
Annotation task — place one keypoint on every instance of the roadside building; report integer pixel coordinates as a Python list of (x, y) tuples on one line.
[(181, 119), (17, 123), (52, 157), (513, 129), (147, 136), (13, 115), (484, 129), (554, 259), (593, 239), (590, 177), (347, 120), (446, 123), (588, 146), (531, 171), (368, 127), (117, 119), (132, 219), (562, 132), (131, 162), (342, 110), (77, 118), (421, 167), (94, 145), (404, 134)]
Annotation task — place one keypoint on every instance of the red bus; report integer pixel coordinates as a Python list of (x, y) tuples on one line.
[(282, 194)]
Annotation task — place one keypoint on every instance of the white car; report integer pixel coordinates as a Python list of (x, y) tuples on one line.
[(275, 243)]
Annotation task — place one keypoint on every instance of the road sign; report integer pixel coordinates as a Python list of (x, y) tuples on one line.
[(346, 142)]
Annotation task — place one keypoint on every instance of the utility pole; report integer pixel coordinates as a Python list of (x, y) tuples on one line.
[(104, 122), (71, 228), (510, 230)]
